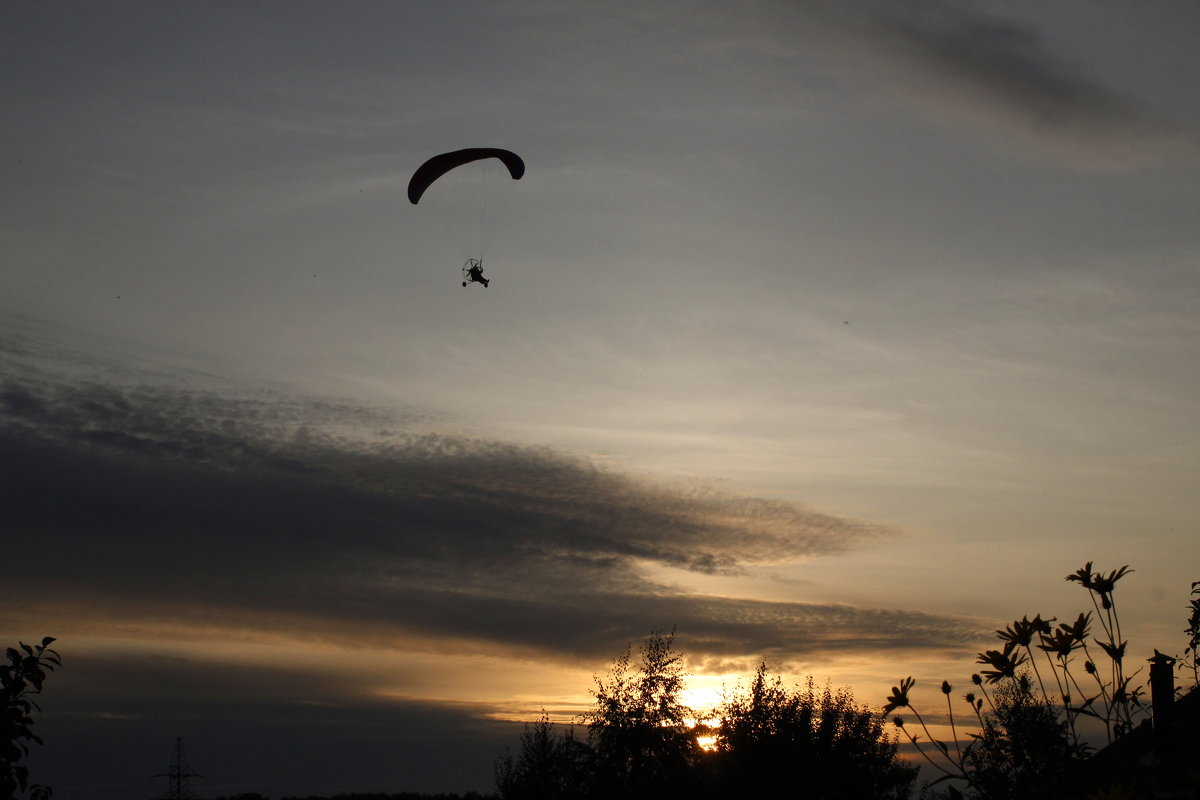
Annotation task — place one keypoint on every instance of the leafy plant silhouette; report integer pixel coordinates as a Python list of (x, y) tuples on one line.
[(1029, 733), (1193, 632), (21, 678)]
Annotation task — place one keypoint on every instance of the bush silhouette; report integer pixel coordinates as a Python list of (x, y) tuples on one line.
[(1024, 748), (801, 742)]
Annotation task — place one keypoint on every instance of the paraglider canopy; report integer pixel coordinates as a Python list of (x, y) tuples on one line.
[(438, 166)]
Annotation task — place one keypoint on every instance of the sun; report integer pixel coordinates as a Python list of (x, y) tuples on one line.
[(703, 697)]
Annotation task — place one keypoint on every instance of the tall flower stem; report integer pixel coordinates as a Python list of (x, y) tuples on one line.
[(953, 727), (926, 756), (1037, 672), (1070, 712), (1054, 668), (983, 691), (1096, 676)]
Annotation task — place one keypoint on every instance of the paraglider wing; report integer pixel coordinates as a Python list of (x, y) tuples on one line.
[(438, 166)]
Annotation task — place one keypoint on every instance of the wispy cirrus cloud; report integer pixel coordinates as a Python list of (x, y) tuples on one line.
[(1000, 78)]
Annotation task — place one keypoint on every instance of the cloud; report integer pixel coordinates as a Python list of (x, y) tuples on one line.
[(999, 78), (155, 502)]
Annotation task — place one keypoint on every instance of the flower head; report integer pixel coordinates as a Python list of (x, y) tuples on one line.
[(1079, 628), (1115, 652), (1020, 632), (1004, 663), (1062, 643), (899, 696), (1083, 576), (1104, 584)]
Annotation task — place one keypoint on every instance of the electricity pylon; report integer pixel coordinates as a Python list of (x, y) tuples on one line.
[(177, 775)]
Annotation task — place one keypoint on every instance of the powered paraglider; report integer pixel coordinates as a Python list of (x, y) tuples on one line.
[(461, 189)]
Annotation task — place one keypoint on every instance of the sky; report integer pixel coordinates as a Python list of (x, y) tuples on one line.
[(830, 334)]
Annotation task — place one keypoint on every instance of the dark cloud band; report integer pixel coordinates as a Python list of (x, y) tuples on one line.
[(167, 504)]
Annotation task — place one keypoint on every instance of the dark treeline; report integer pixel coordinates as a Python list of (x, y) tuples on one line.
[(367, 796), (767, 740)]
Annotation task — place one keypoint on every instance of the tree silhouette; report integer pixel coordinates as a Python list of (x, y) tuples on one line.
[(550, 766), (640, 731)]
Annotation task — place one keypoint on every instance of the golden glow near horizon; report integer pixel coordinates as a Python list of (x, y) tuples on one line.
[(705, 693)]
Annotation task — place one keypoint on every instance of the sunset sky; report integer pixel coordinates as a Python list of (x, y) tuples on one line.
[(832, 334)]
